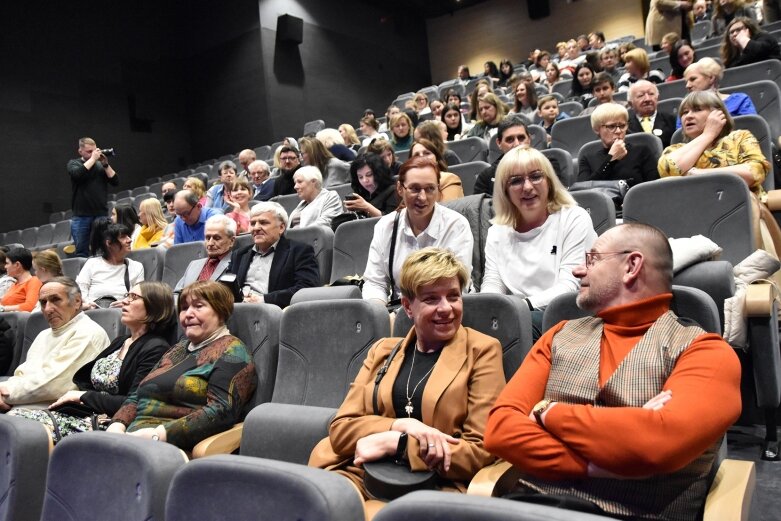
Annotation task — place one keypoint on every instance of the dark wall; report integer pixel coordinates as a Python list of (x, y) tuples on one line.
[(173, 83)]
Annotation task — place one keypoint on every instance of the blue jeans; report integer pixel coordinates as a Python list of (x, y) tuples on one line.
[(80, 230)]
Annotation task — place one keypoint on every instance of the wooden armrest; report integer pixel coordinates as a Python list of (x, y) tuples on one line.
[(223, 443), (774, 200), (730, 494), (759, 299), (494, 480)]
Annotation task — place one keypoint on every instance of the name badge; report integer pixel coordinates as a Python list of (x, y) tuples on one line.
[(657, 132)]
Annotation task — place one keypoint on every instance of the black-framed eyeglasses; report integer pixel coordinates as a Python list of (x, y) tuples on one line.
[(131, 297), (592, 257), (288, 159), (615, 126), (185, 215)]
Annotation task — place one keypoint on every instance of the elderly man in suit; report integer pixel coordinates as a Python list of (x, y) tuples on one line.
[(261, 180), (219, 236), (643, 117), (274, 267)]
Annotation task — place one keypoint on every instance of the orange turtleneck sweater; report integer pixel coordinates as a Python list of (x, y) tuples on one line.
[(628, 441)]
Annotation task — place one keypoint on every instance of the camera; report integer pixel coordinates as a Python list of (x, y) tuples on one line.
[(108, 151)]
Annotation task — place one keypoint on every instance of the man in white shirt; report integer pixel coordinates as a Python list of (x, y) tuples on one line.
[(56, 353)]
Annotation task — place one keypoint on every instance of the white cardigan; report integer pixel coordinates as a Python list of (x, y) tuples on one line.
[(320, 211)]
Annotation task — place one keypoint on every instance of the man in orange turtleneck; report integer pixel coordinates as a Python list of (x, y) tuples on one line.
[(626, 409)]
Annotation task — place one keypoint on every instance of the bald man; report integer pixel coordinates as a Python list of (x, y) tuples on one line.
[(626, 409), (246, 157)]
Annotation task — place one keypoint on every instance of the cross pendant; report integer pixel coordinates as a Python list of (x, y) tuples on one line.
[(408, 408)]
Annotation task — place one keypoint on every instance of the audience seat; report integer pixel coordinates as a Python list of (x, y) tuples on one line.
[(44, 236), (403, 155), (470, 149), (764, 70), (178, 257), (599, 206), (137, 199), (562, 87), (55, 217), (572, 108), (157, 188), (467, 172), (648, 139), (97, 475), (672, 89), (26, 446), (321, 239), (565, 163), (139, 190), (109, 319), (478, 210), (288, 202), (153, 260), (538, 136), (240, 487), (313, 127), (263, 152), (125, 201), (29, 237), (61, 233), (699, 31), (766, 96), (571, 134), (72, 266), (326, 293), (351, 248), (17, 321), (123, 194)]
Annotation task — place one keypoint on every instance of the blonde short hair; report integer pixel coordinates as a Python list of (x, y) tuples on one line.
[(329, 137), (640, 58), (427, 266), (708, 67), (607, 112), (526, 159)]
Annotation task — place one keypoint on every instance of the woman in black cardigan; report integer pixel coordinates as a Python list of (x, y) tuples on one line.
[(745, 43), (374, 191), (104, 384)]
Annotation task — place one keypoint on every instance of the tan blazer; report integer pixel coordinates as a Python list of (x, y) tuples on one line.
[(664, 17), (463, 387)]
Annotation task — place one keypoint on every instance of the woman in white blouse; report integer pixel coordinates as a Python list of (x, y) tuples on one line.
[(318, 206), (105, 280), (538, 236), (420, 224)]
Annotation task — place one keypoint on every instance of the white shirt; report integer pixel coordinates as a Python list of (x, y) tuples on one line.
[(98, 278), (448, 229), (538, 264), (258, 271), (54, 357)]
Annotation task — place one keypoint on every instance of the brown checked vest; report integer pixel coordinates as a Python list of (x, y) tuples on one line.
[(574, 378)]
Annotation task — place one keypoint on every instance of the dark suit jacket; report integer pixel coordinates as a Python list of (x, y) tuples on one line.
[(664, 122), (638, 166), (266, 191), (142, 356), (294, 267)]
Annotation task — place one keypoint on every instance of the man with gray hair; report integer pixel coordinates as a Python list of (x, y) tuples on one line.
[(259, 175), (190, 217), (273, 268), (625, 410), (643, 116), (219, 237), (246, 157), (72, 340)]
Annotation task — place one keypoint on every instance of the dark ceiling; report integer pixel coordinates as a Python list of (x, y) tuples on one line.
[(423, 8)]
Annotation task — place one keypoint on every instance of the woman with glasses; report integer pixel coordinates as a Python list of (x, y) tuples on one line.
[(104, 384), (745, 43), (450, 187), (726, 11), (616, 159), (538, 236), (420, 224)]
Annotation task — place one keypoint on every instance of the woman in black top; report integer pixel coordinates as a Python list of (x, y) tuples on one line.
[(745, 43), (374, 192)]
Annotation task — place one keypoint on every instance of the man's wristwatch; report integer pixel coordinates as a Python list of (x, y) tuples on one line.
[(540, 408)]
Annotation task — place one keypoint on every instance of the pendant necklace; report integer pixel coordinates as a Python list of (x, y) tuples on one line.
[(409, 408)]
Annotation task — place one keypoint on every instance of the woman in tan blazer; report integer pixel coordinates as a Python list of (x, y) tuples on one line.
[(433, 403), (667, 16)]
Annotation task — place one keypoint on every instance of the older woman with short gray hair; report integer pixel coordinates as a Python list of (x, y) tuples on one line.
[(318, 206)]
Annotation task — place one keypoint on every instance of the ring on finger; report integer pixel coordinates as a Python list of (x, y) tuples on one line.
[(431, 445)]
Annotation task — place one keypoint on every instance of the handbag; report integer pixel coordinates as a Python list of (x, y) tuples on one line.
[(615, 190), (387, 478), (394, 303)]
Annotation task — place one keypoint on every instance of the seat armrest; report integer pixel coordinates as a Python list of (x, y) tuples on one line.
[(730, 494), (224, 442), (759, 299), (494, 480)]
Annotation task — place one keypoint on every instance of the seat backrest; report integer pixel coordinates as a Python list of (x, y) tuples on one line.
[(242, 487), (699, 31), (23, 473), (343, 189), (402, 155), (321, 239), (122, 194), (504, 317), (672, 89), (687, 302), (35, 324), (13, 237), (288, 202), (562, 87), (56, 217), (764, 70), (72, 266), (538, 136), (661, 63), (62, 232), (313, 127), (322, 345), (44, 235), (29, 237), (157, 188), (451, 84), (109, 319), (478, 210), (714, 205), (599, 206), (562, 163), (178, 257), (571, 134), (651, 141), (17, 321), (153, 260), (767, 99), (139, 190), (326, 293), (263, 152), (494, 152), (709, 51), (146, 195), (257, 325), (132, 475), (125, 201), (572, 108), (351, 247), (470, 149), (436, 505), (467, 172)]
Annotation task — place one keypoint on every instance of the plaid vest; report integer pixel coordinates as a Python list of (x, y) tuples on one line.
[(574, 378)]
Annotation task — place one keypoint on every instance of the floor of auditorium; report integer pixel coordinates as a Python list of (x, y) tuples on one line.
[(743, 444)]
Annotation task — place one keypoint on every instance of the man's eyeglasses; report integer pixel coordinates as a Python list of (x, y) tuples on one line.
[(416, 190), (518, 181), (131, 297), (185, 215), (615, 126), (592, 257), (288, 159)]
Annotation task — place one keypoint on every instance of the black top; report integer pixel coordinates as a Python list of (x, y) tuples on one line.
[(385, 199), (284, 184), (638, 166), (90, 188), (424, 362), (141, 357), (762, 46)]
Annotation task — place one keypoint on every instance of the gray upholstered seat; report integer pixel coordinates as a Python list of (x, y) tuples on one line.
[(17, 321), (467, 172), (326, 293), (97, 475), (764, 70), (109, 319), (571, 134), (72, 266), (321, 239), (153, 260), (351, 247), (288, 202), (430, 505), (470, 149), (599, 206), (240, 487), (23, 475), (313, 127), (178, 257), (571, 108), (563, 160)]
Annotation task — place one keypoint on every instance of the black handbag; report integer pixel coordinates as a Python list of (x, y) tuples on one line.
[(616, 190)]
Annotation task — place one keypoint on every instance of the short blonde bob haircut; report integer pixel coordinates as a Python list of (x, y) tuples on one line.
[(527, 160), (707, 67), (640, 58), (608, 112), (427, 266)]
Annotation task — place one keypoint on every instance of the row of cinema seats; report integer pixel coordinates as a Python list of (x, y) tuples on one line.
[(304, 373)]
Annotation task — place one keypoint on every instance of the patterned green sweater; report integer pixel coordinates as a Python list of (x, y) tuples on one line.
[(193, 394)]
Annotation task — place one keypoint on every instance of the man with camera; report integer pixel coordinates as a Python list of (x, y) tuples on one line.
[(90, 176)]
